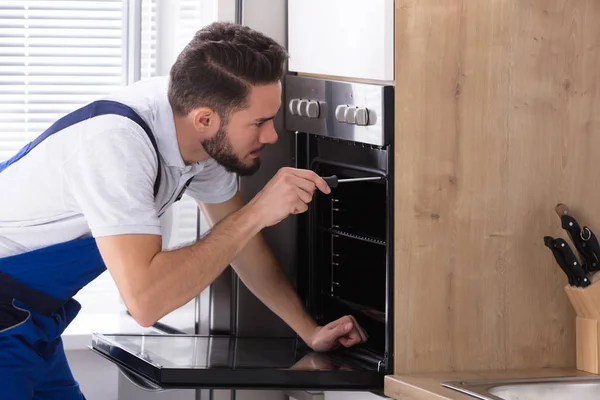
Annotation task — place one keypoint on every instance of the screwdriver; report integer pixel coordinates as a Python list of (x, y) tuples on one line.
[(333, 180)]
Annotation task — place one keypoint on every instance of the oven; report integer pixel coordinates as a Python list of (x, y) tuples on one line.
[(341, 251), (345, 130)]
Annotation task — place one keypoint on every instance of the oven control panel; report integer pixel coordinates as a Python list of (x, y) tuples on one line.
[(350, 111)]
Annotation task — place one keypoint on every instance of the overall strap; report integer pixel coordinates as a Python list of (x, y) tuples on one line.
[(94, 109)]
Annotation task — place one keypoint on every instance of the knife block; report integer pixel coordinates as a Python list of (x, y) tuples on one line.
[(586, 302)]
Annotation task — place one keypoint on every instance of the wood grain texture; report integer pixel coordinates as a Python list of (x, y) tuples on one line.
[(497, 121)]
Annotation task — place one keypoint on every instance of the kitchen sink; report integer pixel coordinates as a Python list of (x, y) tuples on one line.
[(559, 388)]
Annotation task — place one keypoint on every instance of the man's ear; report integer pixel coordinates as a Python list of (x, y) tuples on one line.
[(204, 119)]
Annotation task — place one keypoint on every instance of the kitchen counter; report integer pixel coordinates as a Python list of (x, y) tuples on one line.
[(429, 386)]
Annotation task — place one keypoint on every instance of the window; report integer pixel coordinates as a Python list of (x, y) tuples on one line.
[(54, 57)]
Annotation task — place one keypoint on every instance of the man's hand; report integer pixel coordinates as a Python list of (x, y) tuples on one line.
[(344, 331), (288, 192)]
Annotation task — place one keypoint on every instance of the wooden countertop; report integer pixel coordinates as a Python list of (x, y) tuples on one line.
[(428, 386)]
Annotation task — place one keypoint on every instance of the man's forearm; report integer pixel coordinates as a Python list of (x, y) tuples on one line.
[(176, 276), (258, 269)]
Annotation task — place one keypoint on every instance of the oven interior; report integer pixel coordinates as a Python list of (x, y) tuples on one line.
[(348, 254)]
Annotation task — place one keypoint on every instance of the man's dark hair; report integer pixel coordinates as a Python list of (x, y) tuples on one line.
[(220, 64)]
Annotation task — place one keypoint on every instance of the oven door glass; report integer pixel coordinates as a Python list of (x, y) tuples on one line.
[(227, 362)]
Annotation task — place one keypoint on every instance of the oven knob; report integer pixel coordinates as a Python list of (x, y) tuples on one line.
[(362, 116), (294, 106), (351, 115), (302, 108), (340, 113), (312, 109)]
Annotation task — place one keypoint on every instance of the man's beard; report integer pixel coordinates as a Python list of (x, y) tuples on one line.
[(219, 148)]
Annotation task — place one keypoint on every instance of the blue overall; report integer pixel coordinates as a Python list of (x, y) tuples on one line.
[(36, 290)]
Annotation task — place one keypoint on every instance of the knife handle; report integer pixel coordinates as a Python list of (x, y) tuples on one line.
[(585, 242), (561, 209), (576, 234), (559, 258), (332, 181), (572, 263)]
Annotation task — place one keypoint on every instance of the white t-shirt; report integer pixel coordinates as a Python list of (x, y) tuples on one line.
[(97, 177)]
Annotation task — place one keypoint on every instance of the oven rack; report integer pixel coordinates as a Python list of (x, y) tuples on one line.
[(362, 238)]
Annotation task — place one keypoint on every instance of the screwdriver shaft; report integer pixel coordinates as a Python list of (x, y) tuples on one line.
[(371, 178)]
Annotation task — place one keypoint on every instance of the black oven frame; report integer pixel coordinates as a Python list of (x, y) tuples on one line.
[(377, 161)]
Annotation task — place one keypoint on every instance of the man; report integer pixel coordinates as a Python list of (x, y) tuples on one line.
[(87, 195)]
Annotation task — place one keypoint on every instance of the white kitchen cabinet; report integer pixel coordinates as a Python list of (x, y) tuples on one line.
[(346, 38)]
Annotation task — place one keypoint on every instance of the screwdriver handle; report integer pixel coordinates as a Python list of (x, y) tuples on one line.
[(332, 181)]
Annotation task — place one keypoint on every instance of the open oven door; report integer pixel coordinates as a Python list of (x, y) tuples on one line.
[(161, 362)]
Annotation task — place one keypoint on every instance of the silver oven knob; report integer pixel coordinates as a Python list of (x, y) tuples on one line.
[(294, 106), (312, 109), (362, 116), (340, 113), (351, 115), (302, 108)]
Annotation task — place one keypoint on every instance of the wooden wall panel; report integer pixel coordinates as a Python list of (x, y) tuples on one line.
[(497, 120)]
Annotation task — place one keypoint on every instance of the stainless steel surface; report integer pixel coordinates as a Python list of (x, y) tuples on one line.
[(341, 110), (212, 394), (560, 388), (370, 178), (203, 312), (239, 11), (221, 303)]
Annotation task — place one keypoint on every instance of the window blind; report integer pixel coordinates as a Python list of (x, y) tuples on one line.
[(54, 57), (191, 17)]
